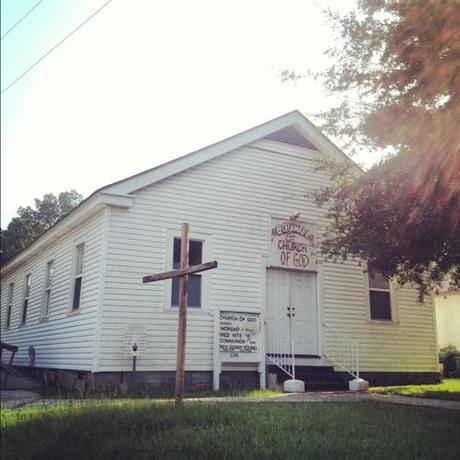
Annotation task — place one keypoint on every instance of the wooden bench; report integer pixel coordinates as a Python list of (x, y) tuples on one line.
[(12, 349)]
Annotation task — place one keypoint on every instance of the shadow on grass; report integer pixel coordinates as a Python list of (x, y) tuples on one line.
[(146, 429)]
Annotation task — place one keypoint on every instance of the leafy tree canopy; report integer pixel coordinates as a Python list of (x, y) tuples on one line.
[(30, 223), (396, 75)]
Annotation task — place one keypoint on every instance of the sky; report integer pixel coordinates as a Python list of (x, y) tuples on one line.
[(144, 82)]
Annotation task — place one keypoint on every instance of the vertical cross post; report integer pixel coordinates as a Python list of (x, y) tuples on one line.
[(183, 273), (183, 290)]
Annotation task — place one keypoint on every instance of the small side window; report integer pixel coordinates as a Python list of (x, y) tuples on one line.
[(78, 276), (9, 307), (25, 302), (379, 296), (49, 272)]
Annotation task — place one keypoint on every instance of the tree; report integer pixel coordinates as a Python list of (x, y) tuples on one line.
[(396, 73), (30, 223)]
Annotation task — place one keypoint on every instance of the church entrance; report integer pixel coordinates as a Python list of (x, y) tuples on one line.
[(295, 290)]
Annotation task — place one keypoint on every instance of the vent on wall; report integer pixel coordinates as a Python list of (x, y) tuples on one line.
[(290, 135)]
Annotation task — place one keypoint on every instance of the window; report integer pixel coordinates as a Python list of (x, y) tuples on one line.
[(49, 271), (379, 296), (25, 303), (195, 280), (78, 280), (9, 306)]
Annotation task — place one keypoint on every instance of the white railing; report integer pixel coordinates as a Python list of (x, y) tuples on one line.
[(280, 351), (342, 351)]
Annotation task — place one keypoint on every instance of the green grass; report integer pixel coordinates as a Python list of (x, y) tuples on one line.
[(140, 429), (55, 393), (449, 389)]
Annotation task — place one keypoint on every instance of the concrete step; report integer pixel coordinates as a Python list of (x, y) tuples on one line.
[(304, 369), (326, 386), (307, 377), (316, 378)]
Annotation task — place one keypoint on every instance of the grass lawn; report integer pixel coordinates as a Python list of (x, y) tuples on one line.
[(54, 393), (448, 389), (146, 429)]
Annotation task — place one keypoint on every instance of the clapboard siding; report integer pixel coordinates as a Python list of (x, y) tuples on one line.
[(63, 340), (231, 199), (407, 344)]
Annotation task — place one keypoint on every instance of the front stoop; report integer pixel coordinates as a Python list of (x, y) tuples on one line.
[(316, 378)]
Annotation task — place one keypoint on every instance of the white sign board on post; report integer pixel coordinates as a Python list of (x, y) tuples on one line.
[(239, 333), (135, 339), (292, 244), (237, 339)]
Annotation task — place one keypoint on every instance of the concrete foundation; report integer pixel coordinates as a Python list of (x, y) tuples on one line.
[(157, 382), (163, 381)]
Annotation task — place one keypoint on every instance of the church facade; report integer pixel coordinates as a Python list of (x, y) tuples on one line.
[(75, 297)]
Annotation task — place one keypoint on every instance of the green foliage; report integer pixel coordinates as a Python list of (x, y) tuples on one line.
[(448, 390), (30, 223), (397, 80), (149, 430), (449, 356), (377, 218)]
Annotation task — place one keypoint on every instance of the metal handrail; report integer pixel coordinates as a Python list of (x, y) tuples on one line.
[(345, 353), (282, 354)]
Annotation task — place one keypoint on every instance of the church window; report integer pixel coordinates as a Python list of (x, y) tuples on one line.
[(195, 280), (379, 296)]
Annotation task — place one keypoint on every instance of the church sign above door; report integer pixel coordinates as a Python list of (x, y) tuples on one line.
[(292, 244)]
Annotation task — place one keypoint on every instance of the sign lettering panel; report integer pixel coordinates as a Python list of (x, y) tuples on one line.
[(292, 244), (135, 339), (239, 333)]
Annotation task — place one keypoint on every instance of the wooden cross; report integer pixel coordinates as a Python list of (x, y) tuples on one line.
[(182, 273)]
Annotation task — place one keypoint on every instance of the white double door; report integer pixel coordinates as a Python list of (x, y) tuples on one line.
[(294, 289)]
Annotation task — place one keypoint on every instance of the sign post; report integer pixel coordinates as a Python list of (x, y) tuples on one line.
[(135, 341), (133, 376)]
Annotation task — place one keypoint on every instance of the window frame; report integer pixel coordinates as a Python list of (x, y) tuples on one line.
[(205, 276), (393, 304), (9, 306), (47, 288), (75, 275), (25, 298)]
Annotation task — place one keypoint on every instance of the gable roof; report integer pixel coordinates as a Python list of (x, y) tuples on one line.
[(292, 127)]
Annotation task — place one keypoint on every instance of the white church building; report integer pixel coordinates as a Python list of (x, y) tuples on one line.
[(74, 301)]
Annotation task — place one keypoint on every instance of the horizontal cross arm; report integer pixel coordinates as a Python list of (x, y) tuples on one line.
[(181, 272)]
